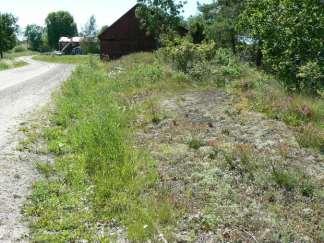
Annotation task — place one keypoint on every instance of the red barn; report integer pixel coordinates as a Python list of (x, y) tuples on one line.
[(125, 36)]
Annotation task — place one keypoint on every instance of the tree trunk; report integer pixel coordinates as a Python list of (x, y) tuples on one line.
[(1, 54), (233, 42), (258, 59)]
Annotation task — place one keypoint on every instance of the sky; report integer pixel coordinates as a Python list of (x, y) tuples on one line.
[(105, 11)]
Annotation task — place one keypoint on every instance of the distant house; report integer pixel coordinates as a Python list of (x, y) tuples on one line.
[(70, 46), (125, 36)]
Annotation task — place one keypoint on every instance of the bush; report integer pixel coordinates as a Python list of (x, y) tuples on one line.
[(19, 49), (310, 77), (202, 62), (90, 46), (183, 54)]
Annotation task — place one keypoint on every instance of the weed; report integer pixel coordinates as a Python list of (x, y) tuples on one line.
[(98, 174), (311, 136), (45, 168), (285, 179), (307, 189), (195, 143)]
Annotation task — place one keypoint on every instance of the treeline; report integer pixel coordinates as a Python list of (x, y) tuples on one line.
[(283, 37), (44, 39)]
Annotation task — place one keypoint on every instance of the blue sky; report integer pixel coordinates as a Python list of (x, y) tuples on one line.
[(106, 11)]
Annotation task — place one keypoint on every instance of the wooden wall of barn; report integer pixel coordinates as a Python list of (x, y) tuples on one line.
[(125, 36)]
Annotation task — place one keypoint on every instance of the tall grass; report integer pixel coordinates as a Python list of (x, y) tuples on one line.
[(7, 64), (67, 59), (99, 176)]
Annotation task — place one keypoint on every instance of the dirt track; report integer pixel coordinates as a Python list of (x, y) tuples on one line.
[(22, 90)]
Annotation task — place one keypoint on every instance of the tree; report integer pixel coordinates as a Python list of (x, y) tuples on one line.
[(8, 32), (221, 18), (59, 24), (197, 29), (290, 35), (161, 16), (90, 28), (34, 35)]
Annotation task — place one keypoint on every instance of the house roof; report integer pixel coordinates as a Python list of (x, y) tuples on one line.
[(64, 39), (73, 39)]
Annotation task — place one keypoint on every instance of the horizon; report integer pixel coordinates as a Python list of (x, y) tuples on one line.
[(106, 12)]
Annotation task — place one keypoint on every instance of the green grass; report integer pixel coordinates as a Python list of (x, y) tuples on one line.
[(99, 176), (8, 64), (12, 54), (67, 59), (263, 93)]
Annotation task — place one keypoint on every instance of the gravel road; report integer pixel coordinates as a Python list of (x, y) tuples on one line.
[(22, 91)]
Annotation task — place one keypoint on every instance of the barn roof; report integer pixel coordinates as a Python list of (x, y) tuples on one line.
[(118, 20)]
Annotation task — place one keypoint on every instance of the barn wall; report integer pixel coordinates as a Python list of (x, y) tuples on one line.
[(124, 37)]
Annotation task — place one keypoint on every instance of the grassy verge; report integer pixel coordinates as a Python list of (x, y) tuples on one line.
[(67, 59), (257, 90), (263, 93), (99, 177), (8, 64), (12, 54), (105, 186)]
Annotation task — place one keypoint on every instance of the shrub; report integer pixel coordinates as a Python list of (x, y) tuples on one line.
[(19, 49), (3, 66), (183, 54), (310, 77), (311, 136), (285, 179), (195, 143), (90, 46)]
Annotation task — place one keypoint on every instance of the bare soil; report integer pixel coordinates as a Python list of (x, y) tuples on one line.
[(216, 161)]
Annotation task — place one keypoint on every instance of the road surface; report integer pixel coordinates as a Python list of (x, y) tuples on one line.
[(22, 91)]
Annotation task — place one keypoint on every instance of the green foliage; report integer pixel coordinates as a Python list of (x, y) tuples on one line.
[(19, 49), (197, 29), (202, 62), (99, 175), (34, 35), (90, 46), (183, 54), (285, 179), (159, 17), (8, 31), (59, 24), (289, 33), (220, 19), (195, 143), (311, 77), (7, 64), (68, 59)]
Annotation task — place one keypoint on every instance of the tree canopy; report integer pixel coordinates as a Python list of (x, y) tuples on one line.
[(59, 24), (34, 35), (8, 32), (290, 35), (160, 16), (220, 18), (90, 29)]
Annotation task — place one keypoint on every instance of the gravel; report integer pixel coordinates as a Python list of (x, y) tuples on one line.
[(22, 91)]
